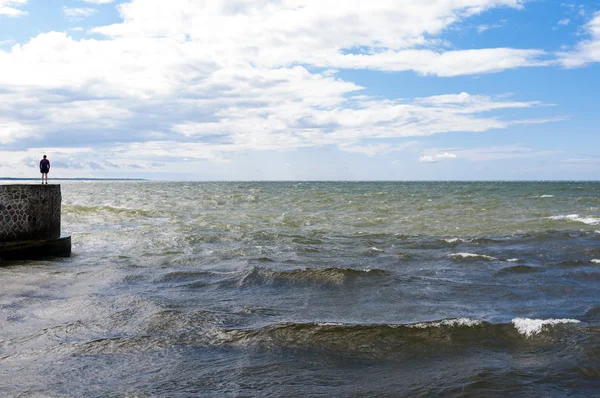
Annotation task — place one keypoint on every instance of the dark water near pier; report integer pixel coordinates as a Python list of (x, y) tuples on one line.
[(183, 289)]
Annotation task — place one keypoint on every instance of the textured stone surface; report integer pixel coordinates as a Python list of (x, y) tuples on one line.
[(29, 212)]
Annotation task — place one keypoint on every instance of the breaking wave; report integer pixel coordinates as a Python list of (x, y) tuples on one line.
[(477, 241), (373, 341), (392, 341), (530, 327), (471, 256), (577, 218)]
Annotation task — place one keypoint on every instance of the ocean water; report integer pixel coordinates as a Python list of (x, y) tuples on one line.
[(295, 289)]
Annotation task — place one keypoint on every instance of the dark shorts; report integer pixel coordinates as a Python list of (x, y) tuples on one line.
[(44, 170)]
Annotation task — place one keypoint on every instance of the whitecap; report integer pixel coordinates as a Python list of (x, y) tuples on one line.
[(472, 255), (513, 260), (576, 217), (596, 261), (547, 196), (453, 240), (447, 322), (530, 327)]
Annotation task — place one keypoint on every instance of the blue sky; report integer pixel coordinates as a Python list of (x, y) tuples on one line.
[(301, 90)]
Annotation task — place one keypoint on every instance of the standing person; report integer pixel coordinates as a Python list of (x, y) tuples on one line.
[(44, 168)]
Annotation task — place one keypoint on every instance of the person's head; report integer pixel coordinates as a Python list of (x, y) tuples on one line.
[(44, 156)]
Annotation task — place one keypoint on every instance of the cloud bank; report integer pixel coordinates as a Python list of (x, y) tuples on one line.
[(187, 81)]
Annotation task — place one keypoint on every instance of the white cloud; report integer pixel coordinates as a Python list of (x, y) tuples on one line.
[(11, 131), (446, 155), (448, 63), (186, 81), (427, 159), (468, 103), (483, 28), (98, 1), (321, 33), (501, 152), (369, 149), (564, 21), (161, 44), (587, 51), (437, 157), (10, 8), (78, 13)]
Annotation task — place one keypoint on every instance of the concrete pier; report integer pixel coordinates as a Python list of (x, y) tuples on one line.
[(30, 218)]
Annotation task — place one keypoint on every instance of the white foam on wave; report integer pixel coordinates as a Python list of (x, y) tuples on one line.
[(447, 322), (596, 261), (472, 255), (547, 196), (530, 327), (576, 217), (513, 260), (453, 240)]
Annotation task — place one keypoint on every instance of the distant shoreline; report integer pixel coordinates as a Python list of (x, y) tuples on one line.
[(72, 179)]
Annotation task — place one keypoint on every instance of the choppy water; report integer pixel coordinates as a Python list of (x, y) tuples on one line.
[(181, 289)]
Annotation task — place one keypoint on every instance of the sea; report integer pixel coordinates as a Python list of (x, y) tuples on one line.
[(310, 289)]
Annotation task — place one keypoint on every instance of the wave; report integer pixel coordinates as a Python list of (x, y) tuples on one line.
[(81, 209), (183, 276), (593, 314), (595, 261), (373, 251), (374, 341), (477, 241), (519, 269), (325, 276), (257, 276), (577, 218), (530, 327), (471, 256), (453, 322), (572, 263), (397, 341), (454, 240), (430, 330)]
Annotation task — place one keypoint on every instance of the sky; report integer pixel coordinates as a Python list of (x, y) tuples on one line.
[(301, 89)]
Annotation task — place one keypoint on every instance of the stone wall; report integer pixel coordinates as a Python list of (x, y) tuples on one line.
[(29, 212)]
